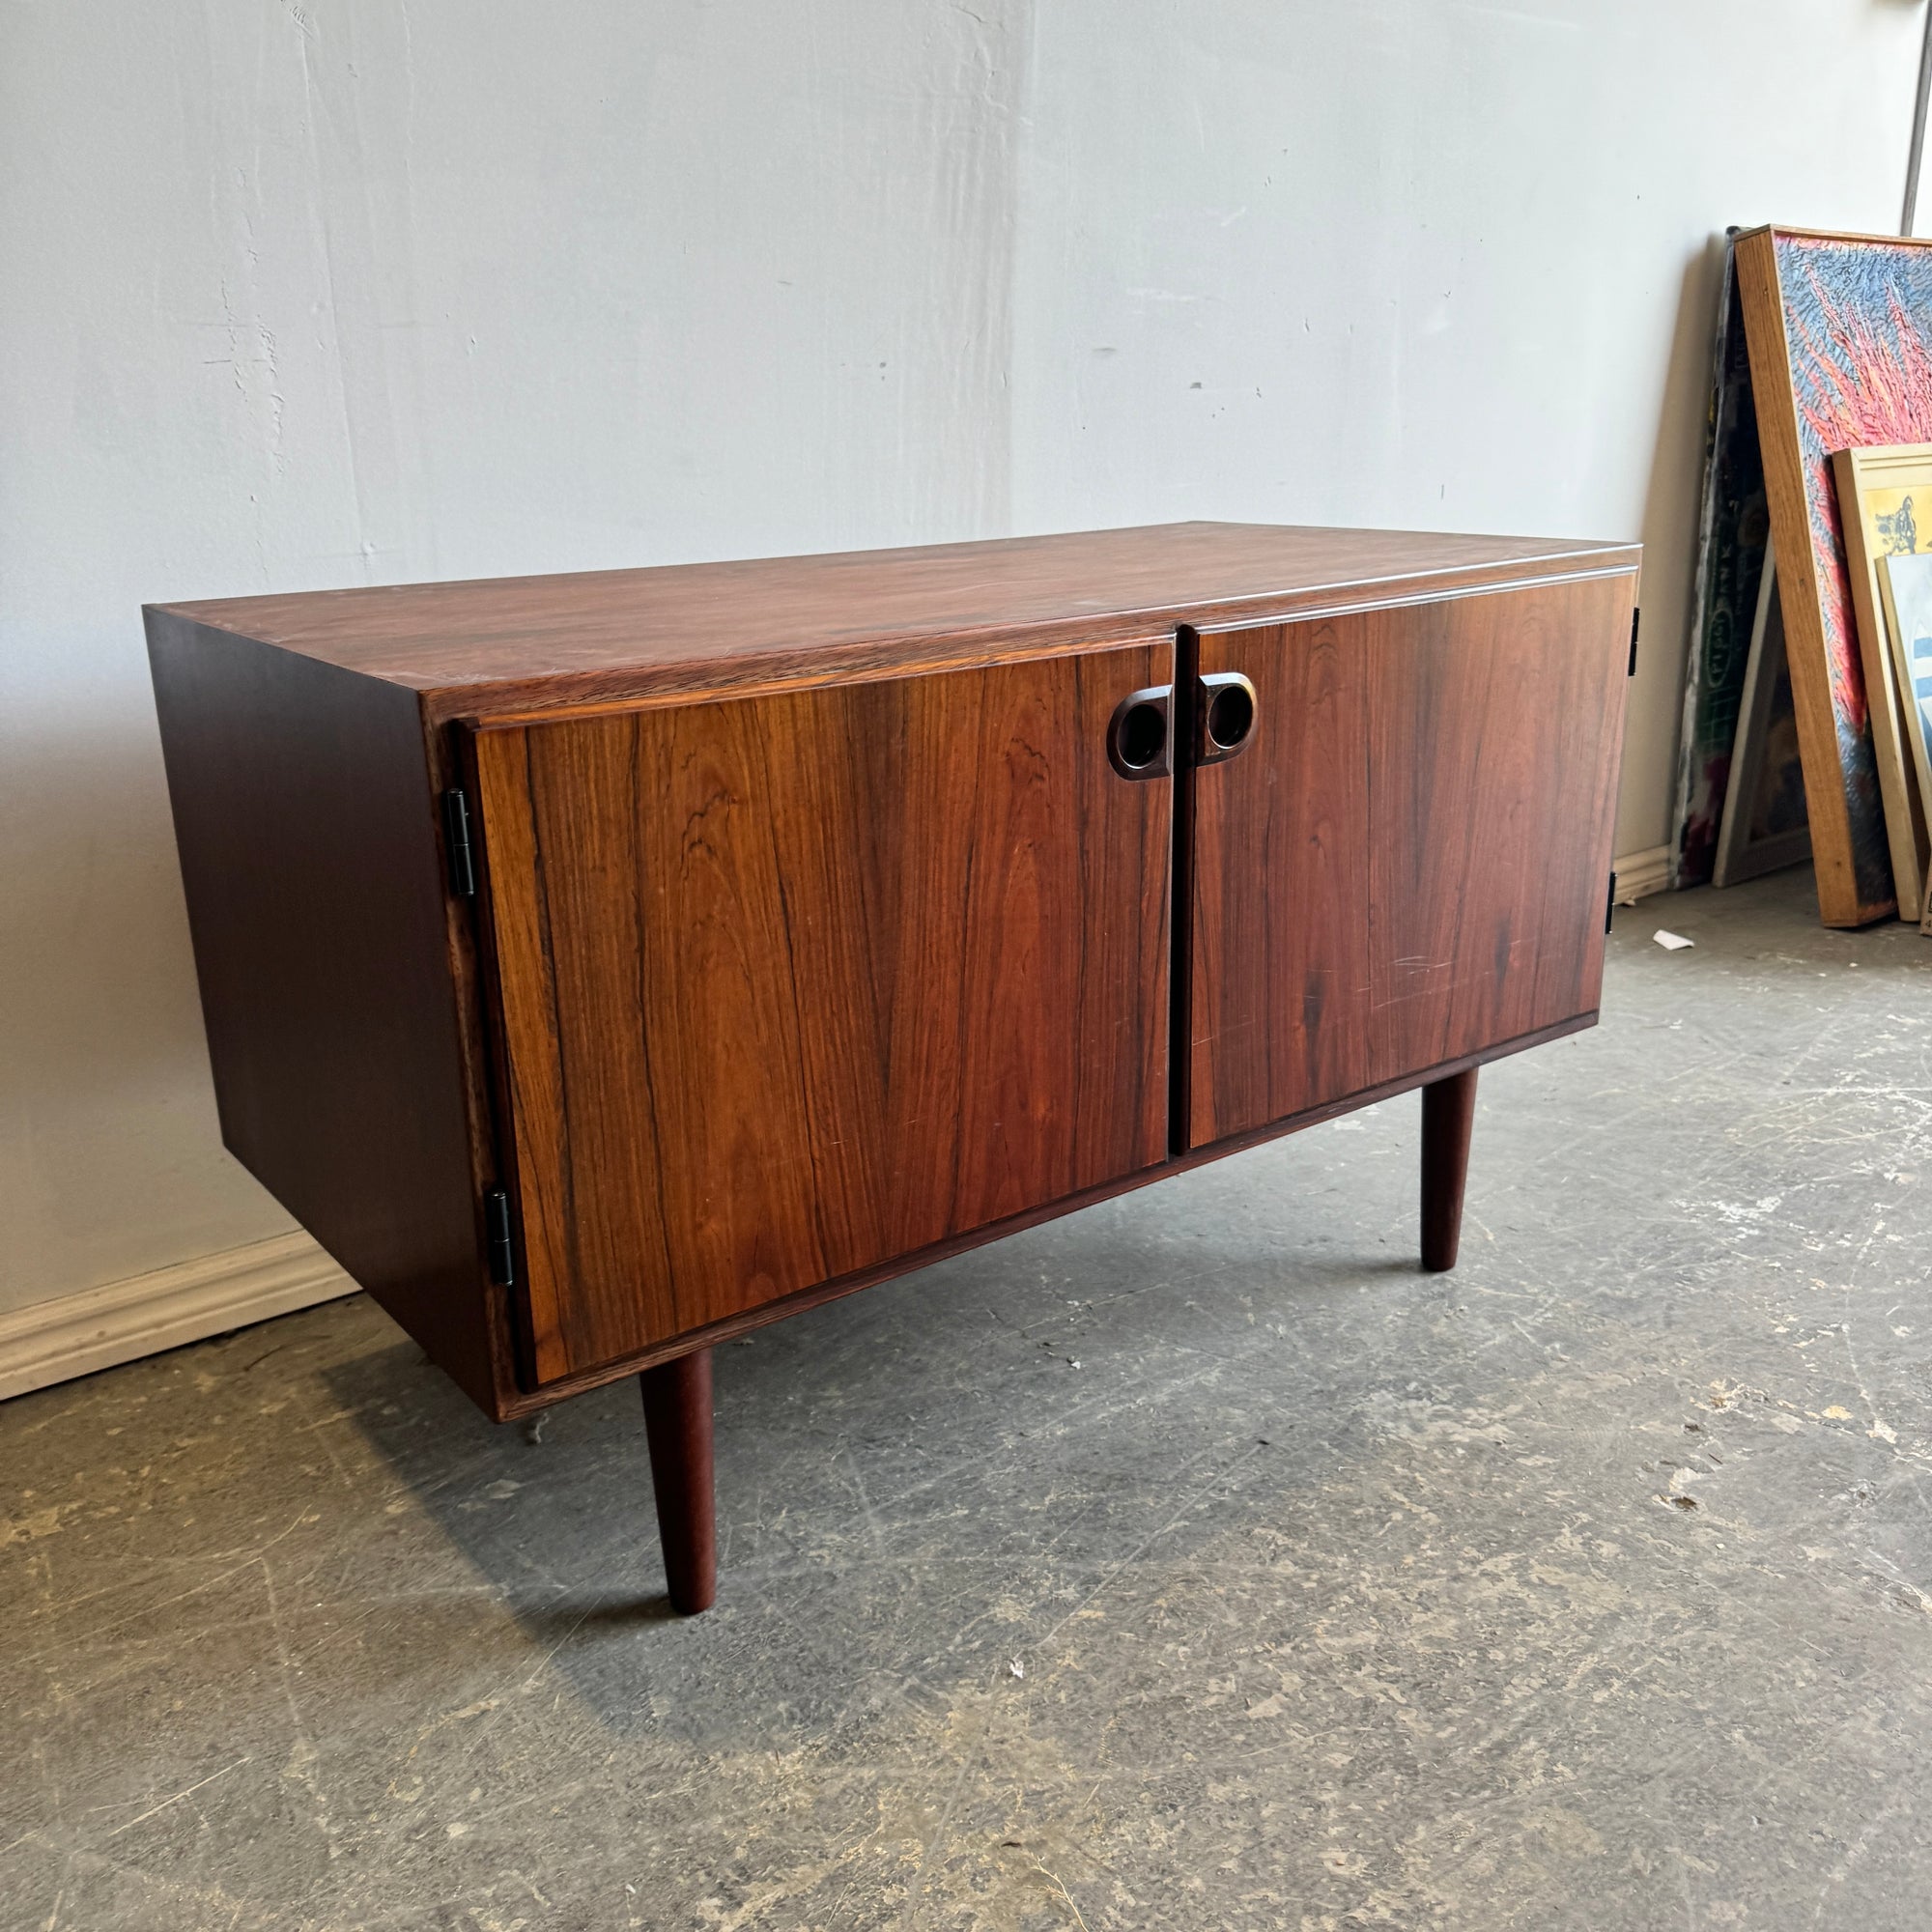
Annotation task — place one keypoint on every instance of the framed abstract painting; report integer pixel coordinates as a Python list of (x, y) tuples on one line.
[(1839, 330), (1733, 528), (1885, 509), (1905, 588)]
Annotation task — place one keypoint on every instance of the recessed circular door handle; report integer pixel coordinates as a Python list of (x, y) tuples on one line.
[(1225, 711), (1140, 735)]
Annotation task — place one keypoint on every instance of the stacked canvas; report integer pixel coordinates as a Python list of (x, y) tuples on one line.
[(1885, 510), (1905, 585), (1835, 376)]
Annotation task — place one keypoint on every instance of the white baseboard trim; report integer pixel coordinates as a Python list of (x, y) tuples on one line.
[(1640, 874), (75, 1334)]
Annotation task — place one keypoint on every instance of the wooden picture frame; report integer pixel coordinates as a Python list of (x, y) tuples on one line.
[(1839, 330), (1885, 507), (1905, 594), (1733, 531), (1764, 827)]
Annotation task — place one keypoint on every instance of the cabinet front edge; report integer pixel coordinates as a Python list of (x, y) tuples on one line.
[(1354, 607), (761, 672)]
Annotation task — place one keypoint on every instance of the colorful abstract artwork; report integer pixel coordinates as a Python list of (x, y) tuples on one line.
[(1855, 318), (1731, 536), (1885, 509), (1907, 582)]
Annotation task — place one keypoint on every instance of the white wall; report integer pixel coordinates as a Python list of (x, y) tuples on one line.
[(336, 291)]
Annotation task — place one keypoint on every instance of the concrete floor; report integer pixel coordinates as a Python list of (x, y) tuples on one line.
[(1194, 1562)]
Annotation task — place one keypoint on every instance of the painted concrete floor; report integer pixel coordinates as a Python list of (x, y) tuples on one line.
[(1194, 1562)]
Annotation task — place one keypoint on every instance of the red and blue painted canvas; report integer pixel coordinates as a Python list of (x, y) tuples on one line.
[(1857, 321)]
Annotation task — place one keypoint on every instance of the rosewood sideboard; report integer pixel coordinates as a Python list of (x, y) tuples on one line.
[(601, 965)]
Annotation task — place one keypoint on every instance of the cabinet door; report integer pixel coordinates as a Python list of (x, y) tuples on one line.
[(1407, 863), (793, 985), (1495, 736), (1279, 993)]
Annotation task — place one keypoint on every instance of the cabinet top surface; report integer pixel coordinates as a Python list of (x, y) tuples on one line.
[(539, 641)]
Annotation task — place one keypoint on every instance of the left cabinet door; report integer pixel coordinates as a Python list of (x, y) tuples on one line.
[(787, 987)]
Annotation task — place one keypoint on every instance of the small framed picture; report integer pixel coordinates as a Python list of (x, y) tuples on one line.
[(1885, 503), (1905, 588)]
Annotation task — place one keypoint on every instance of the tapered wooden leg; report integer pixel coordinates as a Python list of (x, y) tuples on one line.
[(677, 1421), (1448, 1113)]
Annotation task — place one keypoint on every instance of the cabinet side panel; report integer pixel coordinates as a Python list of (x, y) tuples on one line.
[(1280, 938), (306, 827), (794, 985), (1495, 737)]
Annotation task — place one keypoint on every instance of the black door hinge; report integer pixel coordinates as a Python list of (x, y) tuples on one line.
[(1634, 616), (456, 842), (1610, 903), (501, 1256)]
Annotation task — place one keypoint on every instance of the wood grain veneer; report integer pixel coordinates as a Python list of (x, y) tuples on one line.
[(306, 827), (1280, 903), (816, 937), (1495, 735), (528, 1402), (792, 984), (688, 629), (1409, 862)]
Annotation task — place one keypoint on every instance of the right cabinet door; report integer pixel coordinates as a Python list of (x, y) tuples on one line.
[(1407, 863)]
